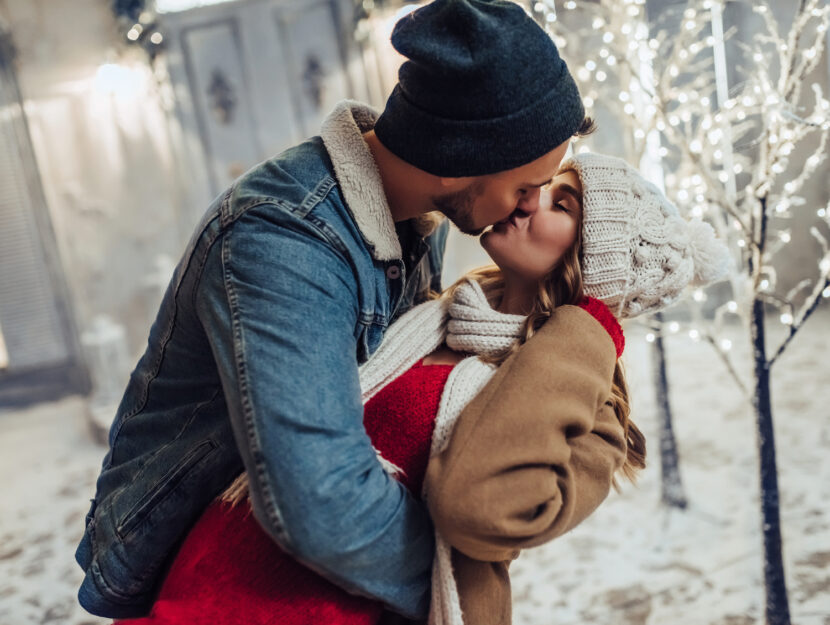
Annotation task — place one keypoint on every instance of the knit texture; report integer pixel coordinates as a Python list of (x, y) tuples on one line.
[(483, 90), (476, 328), (638, 253)]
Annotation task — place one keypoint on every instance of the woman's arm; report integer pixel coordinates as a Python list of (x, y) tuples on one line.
[(535, 452)]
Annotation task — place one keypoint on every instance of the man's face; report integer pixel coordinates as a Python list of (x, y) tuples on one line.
[(489, 199)]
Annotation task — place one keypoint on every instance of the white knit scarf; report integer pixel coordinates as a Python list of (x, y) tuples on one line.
[(468, 324)]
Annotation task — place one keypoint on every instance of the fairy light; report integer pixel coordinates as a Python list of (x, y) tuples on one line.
[(694, 334), (699, 295), (786, 319), (674, 327), (826, 292), (732, 306), (650, 337), (726, 345)]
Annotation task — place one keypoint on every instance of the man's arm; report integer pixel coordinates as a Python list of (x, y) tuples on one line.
[(280, 306), (535, 452)]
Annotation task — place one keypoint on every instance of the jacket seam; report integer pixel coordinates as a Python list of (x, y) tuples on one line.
[(244, 394)]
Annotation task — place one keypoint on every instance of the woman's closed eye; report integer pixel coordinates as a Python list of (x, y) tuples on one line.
[(562, 207)]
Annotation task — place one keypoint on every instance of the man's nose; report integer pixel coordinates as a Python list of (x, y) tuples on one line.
[(529, 201)]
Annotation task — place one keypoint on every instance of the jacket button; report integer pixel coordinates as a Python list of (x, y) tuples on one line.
[(393, 272)]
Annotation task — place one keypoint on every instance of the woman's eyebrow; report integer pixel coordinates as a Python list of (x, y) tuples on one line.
[(570, 190)]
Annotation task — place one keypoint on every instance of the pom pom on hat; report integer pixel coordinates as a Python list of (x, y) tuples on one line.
[(711, 257)]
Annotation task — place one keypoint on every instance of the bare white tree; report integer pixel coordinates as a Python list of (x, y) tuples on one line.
[(739, 156)]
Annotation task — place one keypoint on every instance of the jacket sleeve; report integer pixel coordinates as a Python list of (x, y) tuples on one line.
[(279, 305), (534, 453)]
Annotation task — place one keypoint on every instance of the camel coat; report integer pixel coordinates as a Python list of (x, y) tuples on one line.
[(529, 458)]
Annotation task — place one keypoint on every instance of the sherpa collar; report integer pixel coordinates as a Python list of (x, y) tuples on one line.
[(358, 175)]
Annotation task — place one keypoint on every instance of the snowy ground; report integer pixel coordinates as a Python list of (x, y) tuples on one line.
[(633, 562)]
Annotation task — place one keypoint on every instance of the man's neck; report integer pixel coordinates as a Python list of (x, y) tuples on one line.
[(406, 187)]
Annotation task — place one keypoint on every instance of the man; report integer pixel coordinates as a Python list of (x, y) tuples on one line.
[(290, 281)]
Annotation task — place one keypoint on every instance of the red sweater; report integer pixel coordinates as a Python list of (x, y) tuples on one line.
[(229, 571)]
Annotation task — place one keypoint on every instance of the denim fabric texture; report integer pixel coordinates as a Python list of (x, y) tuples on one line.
[(252, 363)]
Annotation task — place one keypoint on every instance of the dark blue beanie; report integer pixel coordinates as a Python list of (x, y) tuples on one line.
[(483, 90)]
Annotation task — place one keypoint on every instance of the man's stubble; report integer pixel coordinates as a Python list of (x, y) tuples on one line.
[(459, 207)]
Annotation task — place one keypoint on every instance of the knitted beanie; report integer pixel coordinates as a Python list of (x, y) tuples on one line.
[(483, 90), (638, 254)]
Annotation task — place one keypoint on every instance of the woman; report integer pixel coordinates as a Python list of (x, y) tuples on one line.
[(497, 485)]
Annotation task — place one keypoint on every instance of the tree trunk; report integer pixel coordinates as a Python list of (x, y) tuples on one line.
[(777, 605), (672, 493)]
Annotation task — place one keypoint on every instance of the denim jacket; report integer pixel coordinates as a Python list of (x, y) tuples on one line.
[(288, 282)]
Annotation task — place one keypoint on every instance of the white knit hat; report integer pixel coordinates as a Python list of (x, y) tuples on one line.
[(638, 254)]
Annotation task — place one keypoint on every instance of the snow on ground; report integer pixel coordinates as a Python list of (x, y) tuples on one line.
[(633, 563)]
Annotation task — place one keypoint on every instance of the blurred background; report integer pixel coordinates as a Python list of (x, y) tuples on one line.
[(121, 120)]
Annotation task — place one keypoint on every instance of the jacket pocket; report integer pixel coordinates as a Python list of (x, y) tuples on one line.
[(166, 485)]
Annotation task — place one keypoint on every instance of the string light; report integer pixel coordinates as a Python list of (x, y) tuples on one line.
[(786, 319), (674, 326), (732, 306), (726, 345), (650, 337)]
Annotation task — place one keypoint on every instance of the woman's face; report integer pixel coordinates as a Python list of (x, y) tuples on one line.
[(529, 243)]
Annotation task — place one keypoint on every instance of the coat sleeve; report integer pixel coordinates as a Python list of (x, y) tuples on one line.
[(536, 450)]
